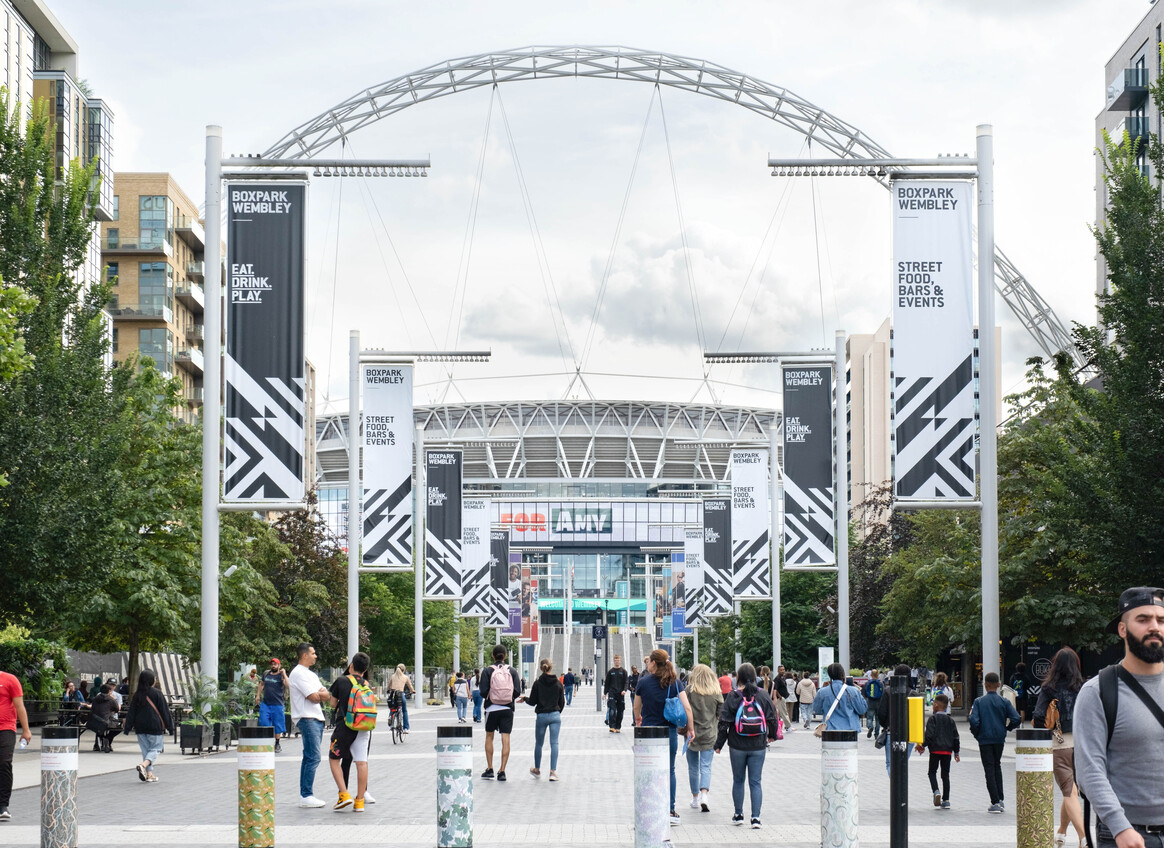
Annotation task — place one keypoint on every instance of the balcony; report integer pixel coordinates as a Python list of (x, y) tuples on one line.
[(196, 269), (190, 231), (195, 332), (194, 396), (140, 312), (119, 246), (191, 295), (191, 359), (1135, 127), (1128, 91)]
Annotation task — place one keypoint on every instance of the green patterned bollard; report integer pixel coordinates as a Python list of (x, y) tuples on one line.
[(454, 751), (652, 787), (1035, 787), (58, 787), (838, 789), (256, 787)]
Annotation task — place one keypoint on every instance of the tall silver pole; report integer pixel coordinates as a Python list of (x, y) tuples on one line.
[(211, 402), (842, 486), (694, 646), (456, 636), (480, 643), (419, 510), (354, 493), (987, 390), (736, 610), (774, 537), (650, 599), (568, 619)]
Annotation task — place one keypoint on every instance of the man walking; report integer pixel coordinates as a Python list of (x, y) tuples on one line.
[(614, 690), (500, 686), (568, 683), (307, 693), (11, 710), (780, 693), (1119, 729), (991, 718), (271, 696), (873, 690)]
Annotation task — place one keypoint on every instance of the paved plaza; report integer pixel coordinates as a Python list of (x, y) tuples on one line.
[(195, 801)]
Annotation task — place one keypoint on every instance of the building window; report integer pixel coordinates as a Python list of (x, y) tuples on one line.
[(155, 221), (155, 288), (113, 238), (116, 208), (158, 344), (111, 273), (115, 337)]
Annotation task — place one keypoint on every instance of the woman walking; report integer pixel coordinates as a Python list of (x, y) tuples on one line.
[(399, 682), (805, 693), (1061, 686), (548, 698), (747, 721), (706, 699), (149, 718), (475, 691), (658, 683), (461, 694)]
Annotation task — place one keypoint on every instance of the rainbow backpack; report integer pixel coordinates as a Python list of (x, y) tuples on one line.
[(361, 714)]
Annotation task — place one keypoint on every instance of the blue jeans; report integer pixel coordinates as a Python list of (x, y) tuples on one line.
[(553, 721), (751, 762), (477, 702), (404, 710), (674, 751), (462, 707), (569, 695), (871, 720), (151, 747), (699, 769), (311, 732)]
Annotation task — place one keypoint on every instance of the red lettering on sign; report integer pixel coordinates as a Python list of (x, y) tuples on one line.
[(521, 522)]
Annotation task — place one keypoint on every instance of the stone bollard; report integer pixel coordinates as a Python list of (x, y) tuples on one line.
[(838, 789), (454, 787), (58, 787), (1035, 788), (256, 787), (652, 786)]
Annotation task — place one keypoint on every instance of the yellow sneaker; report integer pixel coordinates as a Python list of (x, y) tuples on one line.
[(358, 805), (345, 800)]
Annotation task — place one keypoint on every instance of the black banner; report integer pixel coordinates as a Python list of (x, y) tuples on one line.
[(264, 363), (809, 528), (498, 579), (717, 556), (442, 576)]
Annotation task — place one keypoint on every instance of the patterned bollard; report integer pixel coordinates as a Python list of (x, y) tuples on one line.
[(838, 789), (58, 787), (652, 786), (454, 787), (256, 787), (1035, 787)]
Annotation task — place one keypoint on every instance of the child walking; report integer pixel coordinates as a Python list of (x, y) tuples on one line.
[(942, 739), (991, 718)]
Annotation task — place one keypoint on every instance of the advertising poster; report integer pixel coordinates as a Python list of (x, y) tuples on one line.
[(933, 340), (387, 449), (529, 606), (513, 595), (663, 604), (263, 366), (750, 520), (809, 528), (693, 570), (717, 556), (498, 579), (442, 575), (679, 594), (476, 516)]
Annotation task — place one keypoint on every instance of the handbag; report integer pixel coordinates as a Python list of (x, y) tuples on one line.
[(1052, 720), (823, 726), (673, 711), (882, 738)]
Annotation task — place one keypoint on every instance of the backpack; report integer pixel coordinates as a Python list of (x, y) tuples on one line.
[(874, 689), (501, 686), (361, 714), (750, 720)]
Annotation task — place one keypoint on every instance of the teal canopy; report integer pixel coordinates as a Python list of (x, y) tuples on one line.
[(587, 604)]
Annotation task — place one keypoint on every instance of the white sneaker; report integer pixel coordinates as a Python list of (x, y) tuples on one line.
[(695, 803), (312, 801), (368, 799)]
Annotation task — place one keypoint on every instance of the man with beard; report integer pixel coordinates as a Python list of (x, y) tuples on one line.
[(1115, 761)]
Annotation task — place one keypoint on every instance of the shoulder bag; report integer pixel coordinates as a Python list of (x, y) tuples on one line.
[(823, 726), (673, 711)]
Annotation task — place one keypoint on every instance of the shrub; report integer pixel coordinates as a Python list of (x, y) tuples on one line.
[(26, 659)]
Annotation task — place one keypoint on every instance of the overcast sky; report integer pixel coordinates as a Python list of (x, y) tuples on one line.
[(775, 263)]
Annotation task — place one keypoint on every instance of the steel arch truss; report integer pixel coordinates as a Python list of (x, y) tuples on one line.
[(623, 63)]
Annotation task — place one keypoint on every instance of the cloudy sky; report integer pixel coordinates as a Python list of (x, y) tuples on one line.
[(660, 199)]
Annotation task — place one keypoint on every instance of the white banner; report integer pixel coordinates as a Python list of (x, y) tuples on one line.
[(693, 565), (750, 519), (388, 427), (476, 516), (933, 340)]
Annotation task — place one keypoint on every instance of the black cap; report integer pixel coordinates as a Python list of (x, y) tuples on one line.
[(1137, 596)]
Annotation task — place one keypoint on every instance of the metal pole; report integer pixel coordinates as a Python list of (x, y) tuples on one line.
[(650, 598), (774, 538), (355, 493), (899, 761), (456, 637), (987, 390), (419, 507), (842, 487), (694, 646), (58, 787), (480, 643), (736, 610), (568, 577), (211, 404)]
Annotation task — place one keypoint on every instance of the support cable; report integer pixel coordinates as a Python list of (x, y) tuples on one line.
[(322, 259), (816, 242), (335, 266)]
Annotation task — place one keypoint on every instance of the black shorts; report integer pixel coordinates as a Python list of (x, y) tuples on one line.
[(341, 742), (500, 720)]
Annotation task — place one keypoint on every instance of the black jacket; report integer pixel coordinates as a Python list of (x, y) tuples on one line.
[(941, 734), (727, 722), (487, 675), (1066, 699), (547, 695), (146, 719), (616, 681)]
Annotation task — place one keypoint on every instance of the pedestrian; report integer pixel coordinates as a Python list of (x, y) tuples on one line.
[(150, 719), (614, 689), (632, 680), (747, 722), (779, 696), (461, 696), (271, 696), (1018, 682), (706, 700), (942, 687), (1118, 722), (568, 684), (500, 686), (655, 687), (725, 683), (793, 700), (991, 718), (548, 698), (805, 693), (11, 711), (873, 690), (354, 708), (307, 695), (1055, 711), (400, 682), (841, 705), (475, 691), (941, 737)]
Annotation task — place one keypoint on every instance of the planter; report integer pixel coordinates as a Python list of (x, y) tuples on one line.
[(195, 737), (243, 722), (220, 735)]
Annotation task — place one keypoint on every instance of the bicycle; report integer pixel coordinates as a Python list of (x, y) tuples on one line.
[(395, 717)]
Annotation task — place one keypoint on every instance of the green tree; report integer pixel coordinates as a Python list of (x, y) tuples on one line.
[(869, 581)]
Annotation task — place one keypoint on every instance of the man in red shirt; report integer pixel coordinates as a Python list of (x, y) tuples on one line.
[(725, 683), (11, 708)]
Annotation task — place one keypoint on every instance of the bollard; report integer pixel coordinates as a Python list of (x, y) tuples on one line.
[(256, 787), (898, 761), (652, 786), (58, 787), (1035, 788), (454, 787), (838, 789)]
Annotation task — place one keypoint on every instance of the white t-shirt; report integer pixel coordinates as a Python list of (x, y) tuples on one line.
[(304, 682)]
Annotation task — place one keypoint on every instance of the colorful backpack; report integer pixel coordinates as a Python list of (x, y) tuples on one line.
[(361, 713), (750, 720)]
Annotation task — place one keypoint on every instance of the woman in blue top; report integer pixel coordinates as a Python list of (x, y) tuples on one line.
[(850, 702), (658, 683)]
